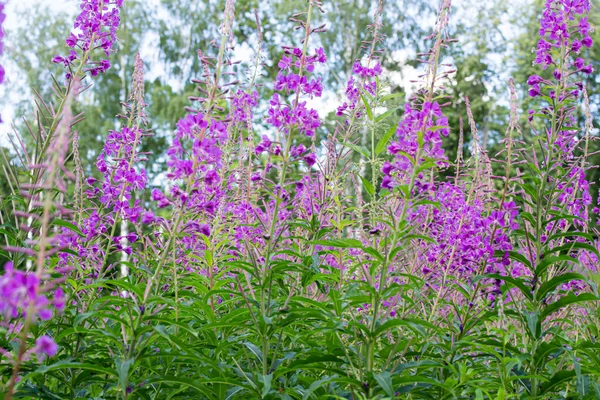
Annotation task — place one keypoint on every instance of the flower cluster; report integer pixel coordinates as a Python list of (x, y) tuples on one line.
[(564, 31), (195, 162), (121, 178), (423, 124), (242, 104), (284, 115), (114, 193), (204, 138), (353, 87), (561, 38), (555, 32), (21, 293), (95, 28), (465, 237), (575, 197)]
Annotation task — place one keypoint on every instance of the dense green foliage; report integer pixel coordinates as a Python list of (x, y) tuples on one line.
[(370, 264)]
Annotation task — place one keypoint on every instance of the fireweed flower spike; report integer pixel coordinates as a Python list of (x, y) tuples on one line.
[(115, 194), (94, 28), (289, 114), (564, 30), (464, 236), (418, 133), (195, 160), (564, 24), (26, 297), (363, 75)]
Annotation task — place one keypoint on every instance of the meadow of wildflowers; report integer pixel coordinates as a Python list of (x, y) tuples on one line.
[(267, 265)]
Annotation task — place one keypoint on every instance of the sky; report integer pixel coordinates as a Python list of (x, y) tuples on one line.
[(10, 24)]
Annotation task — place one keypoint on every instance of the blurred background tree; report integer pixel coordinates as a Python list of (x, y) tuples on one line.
[(495, 39)]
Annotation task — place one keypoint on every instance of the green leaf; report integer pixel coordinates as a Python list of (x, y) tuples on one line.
[(584, 235), (414, 379), (531, 191), (367, 107), (385, 381), (368, 185), (66, 364), (533, 324), (343, 243), (557, 379), (516, 282), (513, 255), (201, 387), (328, 379), (381, 117), (528, 217), (266, 380), (391, 96), (416, 327), (254, 350), (554, 282), (359, 149), (435, 204), (569, 247), (373, 251), (70, 226), (384, 140), (123, 371), (565, 301), (549, 260)]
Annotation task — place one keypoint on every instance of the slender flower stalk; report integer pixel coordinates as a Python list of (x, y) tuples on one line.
[(22, 293), (200, 175)]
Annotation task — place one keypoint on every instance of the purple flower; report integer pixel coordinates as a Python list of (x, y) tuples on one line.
[(320, 55), (242, 105), (58, 300), (534, 80), (190, 125), (297, 151), (45, 346), (557, 74), (71, 40), (132, 237), (587, 41), (148, 218), (386, 182), (285, 63), (286, 117), (310, 159), (535, 91), (204, 229), (96, 27), (20, 292)]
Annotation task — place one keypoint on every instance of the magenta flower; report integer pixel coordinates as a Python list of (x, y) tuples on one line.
[(21, 292), (45, 346), (285, 116), (96, 27)]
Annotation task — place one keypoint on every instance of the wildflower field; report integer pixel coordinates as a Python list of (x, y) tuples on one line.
[(288, 253)]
